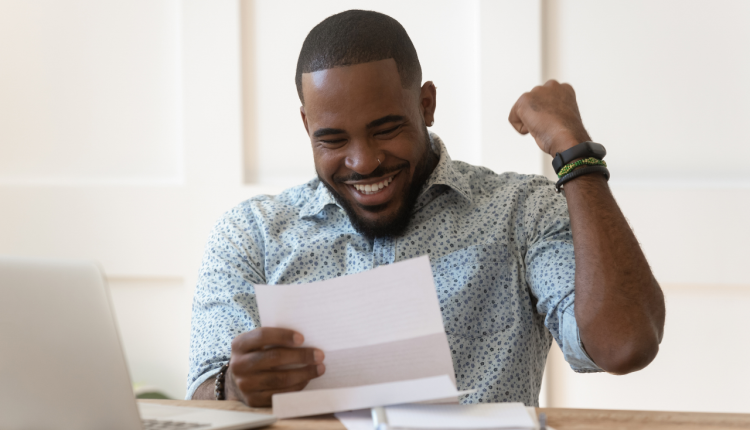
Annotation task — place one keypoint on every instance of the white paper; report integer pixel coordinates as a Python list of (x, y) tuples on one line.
[(389, 303), (356, 420), (476, 416), (416, 358), (375, 327), (362, 419), (314, 402)]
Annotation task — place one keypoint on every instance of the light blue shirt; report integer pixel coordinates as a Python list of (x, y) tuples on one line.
[(501, 252)]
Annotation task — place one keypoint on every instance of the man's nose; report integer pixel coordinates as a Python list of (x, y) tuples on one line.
[(364, 157)]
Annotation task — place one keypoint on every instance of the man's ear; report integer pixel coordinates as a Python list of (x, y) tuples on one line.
[(428, 102), (304, 119)]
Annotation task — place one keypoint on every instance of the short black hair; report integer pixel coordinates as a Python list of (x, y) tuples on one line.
[(355, 37)]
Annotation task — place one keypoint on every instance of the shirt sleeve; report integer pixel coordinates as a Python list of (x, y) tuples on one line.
[(224, 303), (550, 270)]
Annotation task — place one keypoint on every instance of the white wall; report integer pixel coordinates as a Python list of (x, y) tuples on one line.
[(701, 366), (69, 86)]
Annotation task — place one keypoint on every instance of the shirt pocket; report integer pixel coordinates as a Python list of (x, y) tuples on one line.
[(474, 289)]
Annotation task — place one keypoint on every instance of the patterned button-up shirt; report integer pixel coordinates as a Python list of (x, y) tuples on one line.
[(501, 252)]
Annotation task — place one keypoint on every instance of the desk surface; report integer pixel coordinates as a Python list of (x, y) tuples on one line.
[(560, 419)]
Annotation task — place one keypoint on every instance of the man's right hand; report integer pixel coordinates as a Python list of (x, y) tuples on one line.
[(268, 360)]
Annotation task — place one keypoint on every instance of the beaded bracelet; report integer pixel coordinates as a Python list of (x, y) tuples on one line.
[(219, 384), (580, 172), (591, 161)]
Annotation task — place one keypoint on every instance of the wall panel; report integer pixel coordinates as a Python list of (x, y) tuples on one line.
[(510, 65), (663, 84), (153, 317), (72, 74), (701, 364)]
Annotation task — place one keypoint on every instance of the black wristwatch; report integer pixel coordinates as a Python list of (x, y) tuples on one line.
[(582, 150)]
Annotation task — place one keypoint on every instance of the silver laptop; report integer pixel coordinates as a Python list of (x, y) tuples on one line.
[(61, 362)]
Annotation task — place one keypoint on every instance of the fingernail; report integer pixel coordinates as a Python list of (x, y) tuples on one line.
[(318, 356), (298, 339), (321, 369)]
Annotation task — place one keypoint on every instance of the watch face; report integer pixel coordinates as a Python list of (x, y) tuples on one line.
[(597, 150), (582, 150)]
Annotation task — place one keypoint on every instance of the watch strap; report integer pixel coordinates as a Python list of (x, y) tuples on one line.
[(582, 150), (580, 172)]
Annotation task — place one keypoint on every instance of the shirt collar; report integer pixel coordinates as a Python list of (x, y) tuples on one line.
[(444, 174), (320, 199)]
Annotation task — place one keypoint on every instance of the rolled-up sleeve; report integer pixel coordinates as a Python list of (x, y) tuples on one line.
[(571, 345), (224, 302), (550, 273)]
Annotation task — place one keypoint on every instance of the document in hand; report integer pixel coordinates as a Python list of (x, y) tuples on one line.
[(382, 334)]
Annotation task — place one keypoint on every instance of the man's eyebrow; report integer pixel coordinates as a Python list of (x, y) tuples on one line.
[(386, 119), (375, 123), (326, 131)]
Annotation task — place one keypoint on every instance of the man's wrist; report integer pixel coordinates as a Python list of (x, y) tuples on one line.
[(566, 141), (586, 184)]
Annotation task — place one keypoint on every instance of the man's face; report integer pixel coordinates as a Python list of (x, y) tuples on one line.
[(369, 141)]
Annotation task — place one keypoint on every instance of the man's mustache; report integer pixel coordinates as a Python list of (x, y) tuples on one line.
[(377, 173)]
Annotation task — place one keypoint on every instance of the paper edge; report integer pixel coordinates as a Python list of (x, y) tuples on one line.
[(290, 397)]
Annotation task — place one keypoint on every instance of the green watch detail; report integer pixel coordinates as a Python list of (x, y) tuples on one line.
[(591, 161)]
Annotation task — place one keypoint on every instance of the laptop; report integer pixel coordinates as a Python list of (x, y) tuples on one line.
[(61, 362)]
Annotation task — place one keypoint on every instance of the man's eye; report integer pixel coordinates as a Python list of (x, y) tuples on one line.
[(390, 130), (334, 141)]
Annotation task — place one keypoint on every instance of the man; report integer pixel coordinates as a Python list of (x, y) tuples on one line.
[(515, 263)]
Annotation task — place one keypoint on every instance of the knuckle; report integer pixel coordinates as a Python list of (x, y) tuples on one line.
[(237, 341), (253, 359)]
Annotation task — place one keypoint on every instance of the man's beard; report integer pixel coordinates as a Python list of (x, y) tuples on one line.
[(397, 224)]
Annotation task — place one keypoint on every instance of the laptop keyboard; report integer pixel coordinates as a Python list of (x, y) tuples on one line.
[(171, 425)]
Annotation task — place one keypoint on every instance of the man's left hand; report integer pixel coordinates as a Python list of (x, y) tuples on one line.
[(550, 114)]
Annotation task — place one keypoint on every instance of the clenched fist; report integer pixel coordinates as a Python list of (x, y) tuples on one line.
[(550, 113)]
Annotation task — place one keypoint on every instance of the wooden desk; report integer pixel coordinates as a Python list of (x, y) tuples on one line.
[(560, 419)]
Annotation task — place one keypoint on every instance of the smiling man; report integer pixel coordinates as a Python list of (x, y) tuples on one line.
[(378, 155), (516, 264)]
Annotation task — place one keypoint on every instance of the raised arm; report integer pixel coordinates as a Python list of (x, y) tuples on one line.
[(619, 306)]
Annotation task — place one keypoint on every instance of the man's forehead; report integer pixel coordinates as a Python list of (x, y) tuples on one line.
[(362, 77)]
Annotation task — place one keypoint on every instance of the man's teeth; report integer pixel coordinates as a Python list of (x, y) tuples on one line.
[(373, 188)]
